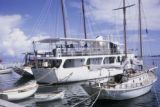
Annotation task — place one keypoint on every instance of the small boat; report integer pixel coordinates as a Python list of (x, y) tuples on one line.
[(131, 86), (5, 71), (51, 96), (21, 92)]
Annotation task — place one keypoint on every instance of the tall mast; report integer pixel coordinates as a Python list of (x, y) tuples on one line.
[(84, 19), (64, 16), (124, 24), (140, 29), (124, 28)]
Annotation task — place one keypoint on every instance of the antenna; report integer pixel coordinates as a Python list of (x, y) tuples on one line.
[(124, 24)]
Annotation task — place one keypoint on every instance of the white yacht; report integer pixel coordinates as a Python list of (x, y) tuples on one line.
[(70, 59)]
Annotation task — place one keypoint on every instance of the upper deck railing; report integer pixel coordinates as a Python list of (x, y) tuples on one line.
[(62, 47), (63, 52)]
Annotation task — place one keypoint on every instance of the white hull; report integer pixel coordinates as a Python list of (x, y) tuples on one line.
[(72, 75), (21, 92), (127, 90), (49, 96), (122, 94), (5, 71)]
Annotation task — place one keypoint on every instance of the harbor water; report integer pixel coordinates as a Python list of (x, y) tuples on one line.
[(74, 93)]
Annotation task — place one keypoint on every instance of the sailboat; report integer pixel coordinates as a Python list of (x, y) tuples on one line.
[(130, 84)]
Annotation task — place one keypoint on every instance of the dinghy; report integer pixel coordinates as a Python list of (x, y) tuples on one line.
[(51, 96), (21, 92), (5, 71)]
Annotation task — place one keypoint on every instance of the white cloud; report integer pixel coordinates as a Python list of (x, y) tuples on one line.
[(102, 10), (14, 41)]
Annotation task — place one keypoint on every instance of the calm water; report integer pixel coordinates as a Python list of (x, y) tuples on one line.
[(75, 93)]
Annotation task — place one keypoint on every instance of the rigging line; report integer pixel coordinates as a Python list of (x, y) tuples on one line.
[(89, 28), (97, 25), (37, 22), (67, 77), (91, 22), (39, 17), (47, 12)]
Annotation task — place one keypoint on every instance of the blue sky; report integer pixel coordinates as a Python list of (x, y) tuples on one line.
[(23, 21)]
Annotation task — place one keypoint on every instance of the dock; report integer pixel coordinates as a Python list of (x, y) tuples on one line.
[(4, 103)]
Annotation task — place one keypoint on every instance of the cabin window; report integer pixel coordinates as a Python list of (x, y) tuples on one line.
[(49, 63), (109, 60), (69, 63), (118, 59), (94, 61), (55, 63), (123, 58), (106, 60), (39, 63)]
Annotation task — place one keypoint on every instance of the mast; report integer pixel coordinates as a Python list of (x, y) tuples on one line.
[(124, 28), (84, 19), (140, 28), (64, 16), (124, 24)]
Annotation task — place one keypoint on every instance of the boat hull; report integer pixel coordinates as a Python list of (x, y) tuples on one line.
[(130, 89), (19, 96), (50, 97), (51, 76), (21, 92), (119, 94), (125, 94), (43, 75), (5, 71)]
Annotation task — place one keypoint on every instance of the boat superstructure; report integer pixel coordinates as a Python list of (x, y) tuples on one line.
[(70, 59)]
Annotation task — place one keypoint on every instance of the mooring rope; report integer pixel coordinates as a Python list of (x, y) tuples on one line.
[(86, 99), (97, 97)]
